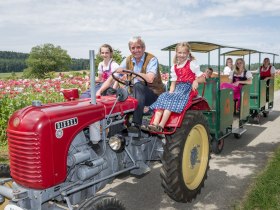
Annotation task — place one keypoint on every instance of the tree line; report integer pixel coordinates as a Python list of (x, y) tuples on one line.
[(16, 62)]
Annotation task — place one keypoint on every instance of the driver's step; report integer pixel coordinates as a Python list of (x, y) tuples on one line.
[(239, 131)]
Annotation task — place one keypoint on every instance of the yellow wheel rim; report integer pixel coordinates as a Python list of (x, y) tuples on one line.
[(195, 157)]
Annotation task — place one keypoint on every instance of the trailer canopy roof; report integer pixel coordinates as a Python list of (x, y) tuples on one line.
[(240, 52), (202, 47)]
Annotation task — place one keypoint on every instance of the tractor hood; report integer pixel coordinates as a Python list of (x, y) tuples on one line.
[(39, 137)]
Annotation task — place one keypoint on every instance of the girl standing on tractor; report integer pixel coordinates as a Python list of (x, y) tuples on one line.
[(185, 75)]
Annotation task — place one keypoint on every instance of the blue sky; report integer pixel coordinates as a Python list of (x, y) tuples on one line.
[(80, 25)]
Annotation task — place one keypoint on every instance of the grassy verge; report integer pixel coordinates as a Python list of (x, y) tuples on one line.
[(17, 75), (4, 154), (277, 83), (265, 191), (9, 75)]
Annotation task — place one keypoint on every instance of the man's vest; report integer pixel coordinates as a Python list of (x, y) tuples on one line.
[(157, 85)]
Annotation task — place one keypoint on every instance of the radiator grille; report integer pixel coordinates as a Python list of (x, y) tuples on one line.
[(25, 163)]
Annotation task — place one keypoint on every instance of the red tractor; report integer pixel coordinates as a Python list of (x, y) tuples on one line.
[(62, 154)]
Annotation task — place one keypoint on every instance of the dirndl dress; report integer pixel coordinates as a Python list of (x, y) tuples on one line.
[(176, 101)]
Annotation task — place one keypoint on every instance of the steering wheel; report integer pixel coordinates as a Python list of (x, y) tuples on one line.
[(132, 75)]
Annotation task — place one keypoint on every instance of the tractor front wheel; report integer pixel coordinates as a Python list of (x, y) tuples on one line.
[(102, 202), (186, 158)]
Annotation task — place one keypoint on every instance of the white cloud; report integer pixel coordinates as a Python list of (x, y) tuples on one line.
[(243, 8), (80, 25)]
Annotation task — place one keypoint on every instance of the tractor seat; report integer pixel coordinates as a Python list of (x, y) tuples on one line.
[(70, 94)]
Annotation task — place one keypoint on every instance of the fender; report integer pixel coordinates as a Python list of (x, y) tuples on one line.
[(39, 137), (197, 103)]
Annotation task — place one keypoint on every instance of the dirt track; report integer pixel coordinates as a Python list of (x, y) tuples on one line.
[(229, 176)]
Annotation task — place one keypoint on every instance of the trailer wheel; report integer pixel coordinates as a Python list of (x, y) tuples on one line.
[(186, 158), (102, 202), (237, 135), (217, 146), (265, 113)]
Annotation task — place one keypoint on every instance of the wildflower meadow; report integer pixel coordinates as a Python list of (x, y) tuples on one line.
[(16, 94)]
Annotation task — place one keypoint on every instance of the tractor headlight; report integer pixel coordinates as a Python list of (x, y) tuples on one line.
[(116, 143), (16, 122)]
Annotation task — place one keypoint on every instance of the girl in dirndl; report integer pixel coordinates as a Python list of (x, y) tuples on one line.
[(239, 77), (185, 74), (267, 71)]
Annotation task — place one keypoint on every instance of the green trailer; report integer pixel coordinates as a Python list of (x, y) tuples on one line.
[(261, 92)]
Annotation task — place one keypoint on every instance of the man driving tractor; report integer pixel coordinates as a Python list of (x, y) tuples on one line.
[(147, 66)]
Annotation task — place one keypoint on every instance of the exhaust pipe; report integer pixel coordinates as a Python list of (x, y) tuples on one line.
[(94, 129)]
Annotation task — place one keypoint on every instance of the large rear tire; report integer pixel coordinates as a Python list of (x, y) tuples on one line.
[(186, 158), (102, 202)]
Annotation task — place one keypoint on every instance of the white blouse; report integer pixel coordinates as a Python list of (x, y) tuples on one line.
[(102, 67)]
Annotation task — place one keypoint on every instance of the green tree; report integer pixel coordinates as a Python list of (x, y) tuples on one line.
[(46, 58)]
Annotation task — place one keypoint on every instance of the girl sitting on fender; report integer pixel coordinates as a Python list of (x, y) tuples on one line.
[(185, 75)]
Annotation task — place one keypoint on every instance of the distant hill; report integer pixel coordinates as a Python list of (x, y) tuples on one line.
[(16, 62)]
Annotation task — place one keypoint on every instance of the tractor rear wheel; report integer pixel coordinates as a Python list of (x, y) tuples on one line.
[(102, 202), (186, 158)]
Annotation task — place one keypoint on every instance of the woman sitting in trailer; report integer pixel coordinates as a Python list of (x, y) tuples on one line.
[(267, 71), (229, 66), (239, 77)]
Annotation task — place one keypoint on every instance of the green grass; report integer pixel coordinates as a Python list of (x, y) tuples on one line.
[(265, 191), (4, 154), (277, 83), (7, 75), (17, 75)]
